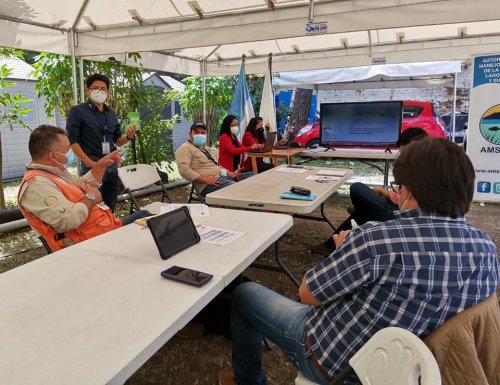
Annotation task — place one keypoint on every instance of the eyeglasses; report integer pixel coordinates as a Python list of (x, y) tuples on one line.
[(104, 89), (395, 186)]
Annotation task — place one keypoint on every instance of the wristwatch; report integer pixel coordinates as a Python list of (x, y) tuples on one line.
[(91, 197)]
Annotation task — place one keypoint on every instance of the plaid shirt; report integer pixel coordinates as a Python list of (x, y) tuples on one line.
[(413, 272)]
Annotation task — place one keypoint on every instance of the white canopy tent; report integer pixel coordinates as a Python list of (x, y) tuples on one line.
[(209, 37), (421, 74)]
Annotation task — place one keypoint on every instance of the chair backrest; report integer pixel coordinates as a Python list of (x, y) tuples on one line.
[(137, 176), (395, 356), (467, 346)]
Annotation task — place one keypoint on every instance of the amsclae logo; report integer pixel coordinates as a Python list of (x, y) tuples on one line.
[(483, 187)]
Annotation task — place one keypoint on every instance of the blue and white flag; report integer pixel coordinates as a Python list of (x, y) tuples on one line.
[(241, 106)]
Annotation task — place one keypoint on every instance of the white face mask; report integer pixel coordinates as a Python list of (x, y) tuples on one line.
[(234, 130), (98, 96), (405, 202), (60, 165)]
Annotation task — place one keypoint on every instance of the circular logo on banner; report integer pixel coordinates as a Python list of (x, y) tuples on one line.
[(489, 125)]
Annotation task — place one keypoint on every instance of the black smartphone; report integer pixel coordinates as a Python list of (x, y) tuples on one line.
[(185, 275), (300, 190)]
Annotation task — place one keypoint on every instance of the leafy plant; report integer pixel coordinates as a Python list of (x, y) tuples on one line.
[(55, 82), (11, 107), (154, 145), (219, 94)]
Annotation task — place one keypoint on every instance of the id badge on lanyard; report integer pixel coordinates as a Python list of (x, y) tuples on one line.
[(106, 147)]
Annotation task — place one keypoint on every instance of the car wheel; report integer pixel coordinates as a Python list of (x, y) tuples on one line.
[(313, 143)]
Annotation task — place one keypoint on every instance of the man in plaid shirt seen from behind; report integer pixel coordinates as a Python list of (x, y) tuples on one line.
[(414, 272)]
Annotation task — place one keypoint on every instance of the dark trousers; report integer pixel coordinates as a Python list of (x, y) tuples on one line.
[(109, 186), (368, 206)]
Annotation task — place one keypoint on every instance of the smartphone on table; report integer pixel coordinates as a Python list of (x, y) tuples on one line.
[(185, 275)]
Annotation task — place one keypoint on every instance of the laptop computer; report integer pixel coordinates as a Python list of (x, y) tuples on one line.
[(173, 231), (268, 146), (288, 143)]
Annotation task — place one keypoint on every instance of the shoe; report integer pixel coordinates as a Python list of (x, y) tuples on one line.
[(226, 377), (191, 330), (322, 249), (350, 210)]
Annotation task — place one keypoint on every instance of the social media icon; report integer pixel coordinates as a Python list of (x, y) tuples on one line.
[(483, 187), (496, 187)]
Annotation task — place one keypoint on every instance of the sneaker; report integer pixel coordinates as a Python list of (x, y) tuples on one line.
[(226, 377)]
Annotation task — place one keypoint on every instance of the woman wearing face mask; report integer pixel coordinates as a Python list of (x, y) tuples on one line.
[(254, 134), (230, 148)]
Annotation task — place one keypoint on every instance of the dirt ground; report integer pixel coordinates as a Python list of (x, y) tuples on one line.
[(198, 361)]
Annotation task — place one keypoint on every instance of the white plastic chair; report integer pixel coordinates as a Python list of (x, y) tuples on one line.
[(139, 176), (393, 356)]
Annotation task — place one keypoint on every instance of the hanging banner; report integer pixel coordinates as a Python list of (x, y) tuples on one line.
[(483, 136)]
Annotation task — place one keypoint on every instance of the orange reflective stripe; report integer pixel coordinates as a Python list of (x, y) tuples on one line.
[(98, 222)]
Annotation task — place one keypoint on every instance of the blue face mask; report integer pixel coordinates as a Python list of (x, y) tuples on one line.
[(199, 139)]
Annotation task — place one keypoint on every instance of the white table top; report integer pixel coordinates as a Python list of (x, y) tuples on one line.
[(95, 312), (354, 153), (262, 191)]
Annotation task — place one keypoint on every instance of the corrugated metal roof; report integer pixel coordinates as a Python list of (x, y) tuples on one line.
[(21, 69)]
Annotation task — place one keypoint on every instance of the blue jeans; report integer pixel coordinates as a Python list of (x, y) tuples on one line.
[(109, 186), (260, 312), (370, 206), (224, 182)]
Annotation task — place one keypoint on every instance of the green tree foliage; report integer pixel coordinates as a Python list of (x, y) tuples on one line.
[(11, 107), (219, 93), (55, 82), (126, 94), (154, 144)]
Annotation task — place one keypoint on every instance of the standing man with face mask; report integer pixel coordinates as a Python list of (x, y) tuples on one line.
[(198, 165), (94, 131)]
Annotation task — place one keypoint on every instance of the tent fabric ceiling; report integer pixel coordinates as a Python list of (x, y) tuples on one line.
[(177, 35), (417, 74)]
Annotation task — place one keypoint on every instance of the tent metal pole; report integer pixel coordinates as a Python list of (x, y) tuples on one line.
[(82, 81), (204, 91), (454, 107), (73, 66)]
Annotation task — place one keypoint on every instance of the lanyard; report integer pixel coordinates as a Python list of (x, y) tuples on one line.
[(97, 115), (206, 152)]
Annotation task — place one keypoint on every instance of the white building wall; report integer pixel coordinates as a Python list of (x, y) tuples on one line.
[(15, 153), (442, 97)]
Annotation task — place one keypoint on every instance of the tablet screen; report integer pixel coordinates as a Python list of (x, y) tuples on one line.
[(173, 231)]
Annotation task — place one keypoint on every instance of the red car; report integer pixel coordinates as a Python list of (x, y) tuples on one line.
[(415, 114)]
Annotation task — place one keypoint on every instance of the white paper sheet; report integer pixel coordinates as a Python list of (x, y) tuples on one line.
[(290, 169), (217, 236), (331, 172), (195, 209), (321, 178)]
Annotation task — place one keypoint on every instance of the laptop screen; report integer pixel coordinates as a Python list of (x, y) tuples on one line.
[(173, 231), (268, 146)]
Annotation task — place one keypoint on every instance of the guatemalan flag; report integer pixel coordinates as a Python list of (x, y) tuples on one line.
[(241, 106)]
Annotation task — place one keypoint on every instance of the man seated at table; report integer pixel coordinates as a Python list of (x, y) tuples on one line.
[(415, 272), (60, 207), (197, 164)]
